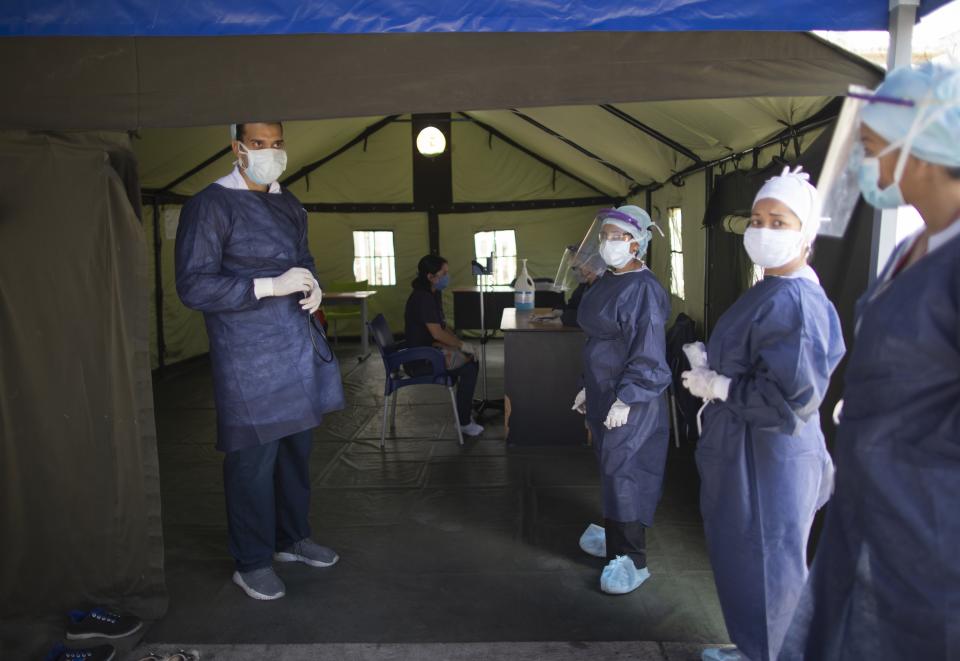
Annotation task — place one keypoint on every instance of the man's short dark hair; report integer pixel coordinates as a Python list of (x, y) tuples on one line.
[(241, 127)]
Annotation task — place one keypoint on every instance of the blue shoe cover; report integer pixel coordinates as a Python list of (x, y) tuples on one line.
[(621, 576), (594, 541), (722, 654)]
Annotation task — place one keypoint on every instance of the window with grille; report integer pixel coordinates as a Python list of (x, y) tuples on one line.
[(675, 219), (374, 258), (502, 244)]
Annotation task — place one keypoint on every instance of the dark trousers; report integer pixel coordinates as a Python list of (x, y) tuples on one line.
[(626, 538), (268, 498), (466, 377)]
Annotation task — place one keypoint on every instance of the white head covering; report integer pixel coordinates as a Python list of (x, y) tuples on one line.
[(794, 189), (233, 131)]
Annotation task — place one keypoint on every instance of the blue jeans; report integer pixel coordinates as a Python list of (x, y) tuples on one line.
[(466, 378), (267, 488)]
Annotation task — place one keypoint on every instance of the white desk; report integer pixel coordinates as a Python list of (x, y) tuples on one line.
[(354, 298)]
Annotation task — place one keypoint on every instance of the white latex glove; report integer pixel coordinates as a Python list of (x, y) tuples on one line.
[(580, 402), (312, 302), (706, 384), (617, 417), (696, 353), (837, 410), (294, 280), (466, 347)]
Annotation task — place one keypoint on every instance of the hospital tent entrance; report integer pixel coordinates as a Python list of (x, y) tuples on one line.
[(438, 544)]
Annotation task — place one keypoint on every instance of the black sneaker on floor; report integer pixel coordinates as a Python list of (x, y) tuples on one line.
[(99, 653), (101, 623)]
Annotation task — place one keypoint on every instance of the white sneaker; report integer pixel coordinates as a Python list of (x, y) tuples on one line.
[(473, 429), (261, 584)]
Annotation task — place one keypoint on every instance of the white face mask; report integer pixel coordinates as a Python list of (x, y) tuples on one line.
[(616, 253), (264, 166), (772, 248)]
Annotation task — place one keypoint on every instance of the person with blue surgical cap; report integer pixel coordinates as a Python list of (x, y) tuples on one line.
[(242, 259), (885, 580), (623, 315), (763, 463)]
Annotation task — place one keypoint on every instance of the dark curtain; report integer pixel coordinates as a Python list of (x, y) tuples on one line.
[(79, 483)]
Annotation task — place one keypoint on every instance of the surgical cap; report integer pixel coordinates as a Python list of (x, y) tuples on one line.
[(630, 219), (794, 189), (935, 91), (233, 131)]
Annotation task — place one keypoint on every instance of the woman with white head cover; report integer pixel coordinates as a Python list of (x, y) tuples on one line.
[(763, 463), (625, 376), (885, 581)]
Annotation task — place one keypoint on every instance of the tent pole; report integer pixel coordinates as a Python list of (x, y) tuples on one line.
[(433, 230), (197, 168), (708, 189), (903, 14), (574, 145), (532, 154), (366, 133), (656, 135)]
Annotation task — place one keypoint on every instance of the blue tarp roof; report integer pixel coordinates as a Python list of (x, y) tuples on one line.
[(156, 18)]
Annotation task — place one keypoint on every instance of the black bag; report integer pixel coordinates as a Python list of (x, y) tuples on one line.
[(683, 331)]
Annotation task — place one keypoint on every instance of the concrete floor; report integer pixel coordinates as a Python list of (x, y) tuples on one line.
[(446, 552), (538, 651)]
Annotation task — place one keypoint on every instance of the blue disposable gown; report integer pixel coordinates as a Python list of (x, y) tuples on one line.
[(625, 357), (763, 463), (885, 581), (268, 381)]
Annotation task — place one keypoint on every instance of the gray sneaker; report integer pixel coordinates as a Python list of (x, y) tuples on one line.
[(263, 584), (308, 552)]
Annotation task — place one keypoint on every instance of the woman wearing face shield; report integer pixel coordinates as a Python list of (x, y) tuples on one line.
[(885, 581), (763, 463), (625, 375)]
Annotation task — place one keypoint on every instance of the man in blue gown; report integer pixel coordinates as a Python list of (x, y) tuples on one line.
[(242, 259)]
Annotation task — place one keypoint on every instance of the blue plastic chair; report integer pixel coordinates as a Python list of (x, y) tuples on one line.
[(395, 355)]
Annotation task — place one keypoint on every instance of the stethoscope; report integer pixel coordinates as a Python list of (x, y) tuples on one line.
[(311, 326)]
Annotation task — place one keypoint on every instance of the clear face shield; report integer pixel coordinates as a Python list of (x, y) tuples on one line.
[(840, 184), (583, 263)]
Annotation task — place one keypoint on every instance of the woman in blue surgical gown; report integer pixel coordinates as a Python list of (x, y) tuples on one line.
[(625, 375), (763, 464), (885, 581)]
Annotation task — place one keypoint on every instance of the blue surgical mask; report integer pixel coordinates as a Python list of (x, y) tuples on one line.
[(890, 197), (442, 283)]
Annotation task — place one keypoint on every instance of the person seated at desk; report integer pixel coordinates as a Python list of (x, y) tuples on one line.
[(426, 326), (586, 277)]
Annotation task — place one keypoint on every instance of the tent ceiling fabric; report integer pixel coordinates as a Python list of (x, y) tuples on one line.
[(553, 150), (165, 154), (249, 17), (130, 83), (713, 128), (381, 172)]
